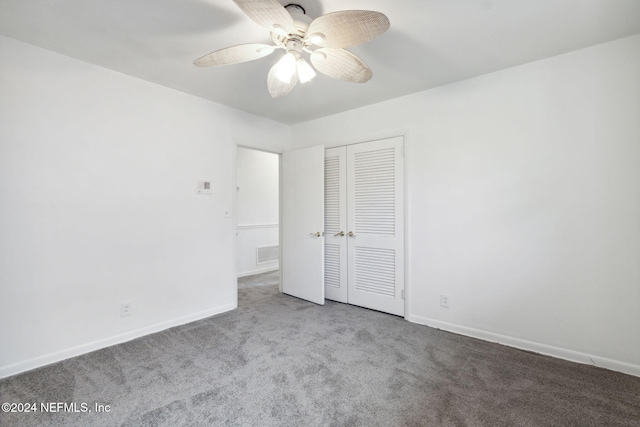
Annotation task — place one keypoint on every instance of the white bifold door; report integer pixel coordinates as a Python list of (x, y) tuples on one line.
[(364, 225)]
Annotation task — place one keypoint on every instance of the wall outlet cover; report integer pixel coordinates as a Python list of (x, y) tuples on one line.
[(125, 309), (444, 300)]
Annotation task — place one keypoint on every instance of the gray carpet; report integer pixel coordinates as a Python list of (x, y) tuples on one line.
[(280, 361), (264, 279)]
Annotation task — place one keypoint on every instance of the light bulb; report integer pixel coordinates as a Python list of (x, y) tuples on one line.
[(305, 71), (286, 68)]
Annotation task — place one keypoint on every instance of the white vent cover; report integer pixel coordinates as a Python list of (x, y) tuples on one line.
[(265, 254)]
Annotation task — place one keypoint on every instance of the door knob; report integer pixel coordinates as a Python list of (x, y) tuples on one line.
[(341, 234), (316, 234), (351, 234)]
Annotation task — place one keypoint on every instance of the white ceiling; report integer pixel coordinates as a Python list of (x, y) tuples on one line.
[(430, 43)]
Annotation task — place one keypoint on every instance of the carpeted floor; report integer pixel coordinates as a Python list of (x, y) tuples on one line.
[(281, 361), (264, 279)]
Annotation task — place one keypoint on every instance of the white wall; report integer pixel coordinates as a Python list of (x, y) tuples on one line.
[(524, 202), (257, 202), (98, 174)]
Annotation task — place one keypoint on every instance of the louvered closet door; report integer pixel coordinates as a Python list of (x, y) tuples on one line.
[(375, 215), (335, 224)]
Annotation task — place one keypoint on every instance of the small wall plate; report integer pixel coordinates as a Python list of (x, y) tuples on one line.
[(204, 188)]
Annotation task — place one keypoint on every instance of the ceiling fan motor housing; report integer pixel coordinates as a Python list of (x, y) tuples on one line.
[(301, 24)]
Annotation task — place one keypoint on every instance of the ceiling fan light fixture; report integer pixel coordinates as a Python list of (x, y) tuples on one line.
[(286, 68), (306, 73)]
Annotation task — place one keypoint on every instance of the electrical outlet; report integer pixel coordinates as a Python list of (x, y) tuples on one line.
[(125, 309), (444, 300)]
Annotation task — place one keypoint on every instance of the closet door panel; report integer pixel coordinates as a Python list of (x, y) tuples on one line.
[(375, 223), (335, 205)]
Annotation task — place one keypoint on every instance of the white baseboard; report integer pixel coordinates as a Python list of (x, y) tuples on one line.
[(259, 271), (37, 362), (547, 350)]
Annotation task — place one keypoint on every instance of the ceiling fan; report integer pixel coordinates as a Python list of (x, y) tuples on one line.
[(324, 39)]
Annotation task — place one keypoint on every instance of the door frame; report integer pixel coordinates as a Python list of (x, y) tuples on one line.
[(270, 150)]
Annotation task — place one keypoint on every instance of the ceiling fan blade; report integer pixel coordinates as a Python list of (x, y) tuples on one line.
[(347, 28), (268, 13), (234, 55), (278, 88), (341, 64)]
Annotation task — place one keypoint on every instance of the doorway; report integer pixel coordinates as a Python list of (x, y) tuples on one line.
[(257, 210)]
